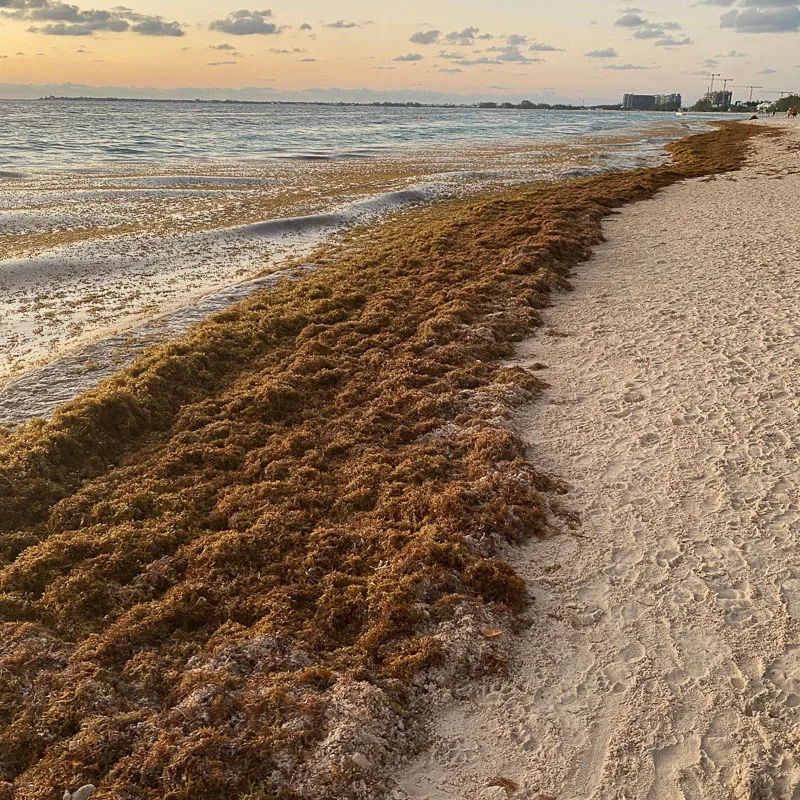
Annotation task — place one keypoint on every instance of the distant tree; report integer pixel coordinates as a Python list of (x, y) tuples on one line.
[(785, 103), (703, 105)]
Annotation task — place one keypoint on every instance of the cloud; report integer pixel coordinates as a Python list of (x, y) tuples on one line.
[(221, 47), (278, 51), (732, 54), (308, 60), (540, 47), (341, 24), (63, 19), (516, 39), (445, 70), (710, 62), (763, 16), (425, 37), (464, 37), (625, 67), (220, 63), (631, 20), (246, 23), (306, 27), (673, 41), (155, 26), (767, 71), (607, 52), (512, 53), (409, 57), (472, 62)]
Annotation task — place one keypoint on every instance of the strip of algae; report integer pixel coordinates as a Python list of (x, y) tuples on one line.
[(295, 495)]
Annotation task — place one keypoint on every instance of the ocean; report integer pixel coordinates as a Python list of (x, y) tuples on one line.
[(85, 135), (122, 223)]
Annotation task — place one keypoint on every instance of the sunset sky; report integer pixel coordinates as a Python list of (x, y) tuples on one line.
[(360, 49)]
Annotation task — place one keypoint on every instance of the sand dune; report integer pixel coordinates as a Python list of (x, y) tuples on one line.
[(664, 657)]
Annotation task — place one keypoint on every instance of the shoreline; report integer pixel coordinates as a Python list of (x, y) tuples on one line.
[(260, 542), (66, 290)]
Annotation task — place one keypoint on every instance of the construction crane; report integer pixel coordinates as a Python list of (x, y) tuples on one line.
[(713, 75), (748, 87), (725, 83)]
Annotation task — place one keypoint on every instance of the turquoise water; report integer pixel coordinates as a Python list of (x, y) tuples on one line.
[(76, 135)]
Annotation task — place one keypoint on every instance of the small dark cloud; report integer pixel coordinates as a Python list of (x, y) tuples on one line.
[(473, 62), (445, 70), (246, 23), (732, 54), (540, 47), (384, 68), (674, 41), (463, 37), (426, 37), (631, 20), (155, 26), (512, 53), (710, 62), (763, 16), (220, 63), (221, 47), (306, 27), (308, 60), (342, 24), (767, 71), (606, 52), (409, 57), (627, 67)]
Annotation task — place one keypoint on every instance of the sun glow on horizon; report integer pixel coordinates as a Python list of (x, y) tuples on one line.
[(446, 48)]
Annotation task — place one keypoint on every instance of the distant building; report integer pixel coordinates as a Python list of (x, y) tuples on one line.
[(668, 102), (720, 101), (639, 102), (652, 102)]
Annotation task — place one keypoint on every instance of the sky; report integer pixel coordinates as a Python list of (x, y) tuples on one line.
[(430, 50)]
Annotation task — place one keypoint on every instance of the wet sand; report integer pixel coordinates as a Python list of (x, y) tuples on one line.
[(664, 656)]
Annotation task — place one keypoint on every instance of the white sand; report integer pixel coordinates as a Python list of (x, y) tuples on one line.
[(664, 658)]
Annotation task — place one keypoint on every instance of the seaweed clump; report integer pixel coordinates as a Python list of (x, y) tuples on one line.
[(200, 556)]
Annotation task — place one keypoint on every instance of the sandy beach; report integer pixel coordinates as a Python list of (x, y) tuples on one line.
[(251, 562), (663, 658)]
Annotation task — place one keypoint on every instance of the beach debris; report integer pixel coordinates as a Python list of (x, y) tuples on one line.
[(505, 785), (84, 793), (361, 761)]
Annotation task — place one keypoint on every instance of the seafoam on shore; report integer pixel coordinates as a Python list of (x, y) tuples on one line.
[(664, 656)]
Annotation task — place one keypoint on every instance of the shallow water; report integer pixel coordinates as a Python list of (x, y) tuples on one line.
[(74, 135), (94, 242)]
